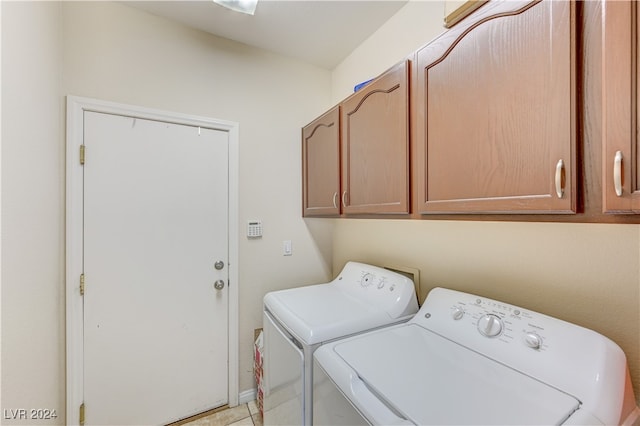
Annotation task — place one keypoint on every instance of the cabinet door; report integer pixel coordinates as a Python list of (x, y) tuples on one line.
[(321, 165), (375, 145), (495, 112), (621, 179)]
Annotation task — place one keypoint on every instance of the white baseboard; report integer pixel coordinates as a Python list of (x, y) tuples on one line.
[(246, 396)]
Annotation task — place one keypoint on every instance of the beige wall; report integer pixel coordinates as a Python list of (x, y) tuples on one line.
[(410, 28), (588, 274), (32, 208), (113, 52)]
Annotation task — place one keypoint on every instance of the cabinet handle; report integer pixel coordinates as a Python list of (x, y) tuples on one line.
[(617, 173), (559, 178), (344, 203), (335, 195)]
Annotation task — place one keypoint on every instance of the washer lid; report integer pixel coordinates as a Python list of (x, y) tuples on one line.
[(322, 312), (431, 380)]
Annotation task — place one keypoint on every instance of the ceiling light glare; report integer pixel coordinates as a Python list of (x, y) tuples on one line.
[(242, 6)]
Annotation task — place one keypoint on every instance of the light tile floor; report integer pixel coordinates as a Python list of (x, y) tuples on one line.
[(242, 415)]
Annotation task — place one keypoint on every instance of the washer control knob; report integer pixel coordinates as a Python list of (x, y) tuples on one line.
[(490, 325), (457, 313), (533, 340)]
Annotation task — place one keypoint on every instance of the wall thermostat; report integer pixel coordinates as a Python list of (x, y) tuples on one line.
[(254, 229)]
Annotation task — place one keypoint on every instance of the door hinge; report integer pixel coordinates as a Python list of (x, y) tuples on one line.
[(81, 420), (81, 284), (82, 149)]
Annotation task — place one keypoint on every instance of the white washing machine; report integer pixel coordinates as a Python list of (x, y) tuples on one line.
[(297, 321), (468, 360)]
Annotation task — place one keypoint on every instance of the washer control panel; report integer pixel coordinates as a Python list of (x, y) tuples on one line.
[(571, 358), (498, 321)]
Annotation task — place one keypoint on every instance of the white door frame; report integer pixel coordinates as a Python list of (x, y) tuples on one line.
[(76, 106)]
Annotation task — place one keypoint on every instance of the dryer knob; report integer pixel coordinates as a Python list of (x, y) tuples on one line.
[(490, 325), (366, 280)]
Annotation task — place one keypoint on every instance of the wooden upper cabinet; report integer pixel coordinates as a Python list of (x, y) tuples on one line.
[(495, 125), (321, 165), (620, 175), (375, 146)]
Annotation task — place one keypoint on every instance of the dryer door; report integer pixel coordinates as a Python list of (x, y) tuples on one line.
[(283, 376)]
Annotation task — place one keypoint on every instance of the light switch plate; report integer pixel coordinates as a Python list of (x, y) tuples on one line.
[(286, 248)]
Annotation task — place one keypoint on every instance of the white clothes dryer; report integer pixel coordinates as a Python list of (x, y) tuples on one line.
[(469, 360), (297, 321)]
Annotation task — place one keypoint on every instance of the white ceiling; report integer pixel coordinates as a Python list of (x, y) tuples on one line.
[(321, 32)]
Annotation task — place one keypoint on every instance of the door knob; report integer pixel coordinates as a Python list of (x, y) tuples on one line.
[(218, 285), (219, 265)]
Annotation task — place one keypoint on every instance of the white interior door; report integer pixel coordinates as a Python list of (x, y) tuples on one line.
[(155, 224)]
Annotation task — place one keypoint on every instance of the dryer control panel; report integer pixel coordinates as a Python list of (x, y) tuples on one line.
[(379, 287)]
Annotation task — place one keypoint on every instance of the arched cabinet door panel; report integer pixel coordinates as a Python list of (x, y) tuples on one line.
[(321, 165), (620, 176), (375, 146), (495, 101)]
